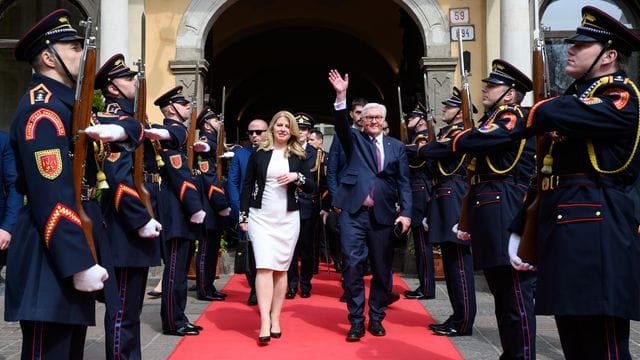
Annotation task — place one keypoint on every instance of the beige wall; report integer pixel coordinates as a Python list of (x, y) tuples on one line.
[(163, 17)]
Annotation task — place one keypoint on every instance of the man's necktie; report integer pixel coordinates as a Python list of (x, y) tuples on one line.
[(378, 154)]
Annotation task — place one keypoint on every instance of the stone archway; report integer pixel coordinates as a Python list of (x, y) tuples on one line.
[(437, 63)]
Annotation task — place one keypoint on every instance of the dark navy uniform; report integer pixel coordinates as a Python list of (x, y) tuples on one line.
[(588, 243), (420, 176), (214, 200), (49, 246), (449, 187), (180, 198), (499, 187), (309, 210), (124, 215)]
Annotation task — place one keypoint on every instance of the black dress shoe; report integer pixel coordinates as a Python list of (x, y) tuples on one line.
[(355, 333), (194, 326), (264, 340), (450, 332), (305, 294), (291, 294), (444, 325), (183, 331), (218, 293), (253, 299), (415, 294), (154, 294), (211, 297), (376, 328), (393, 297)]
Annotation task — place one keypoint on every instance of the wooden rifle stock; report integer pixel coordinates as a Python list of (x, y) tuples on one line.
[(431, 132), (80, 121), (467, 122), (221, 139), (138, 156), (528, 248)]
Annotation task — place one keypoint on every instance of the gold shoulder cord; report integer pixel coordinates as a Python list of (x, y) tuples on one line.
[(591, 148), (518, 155), (100, 153), (444, 173)]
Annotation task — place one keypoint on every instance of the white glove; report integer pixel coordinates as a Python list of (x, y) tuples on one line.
[(323, 215), (157, 134), (228, 155), (224, 212), (516, 262), (201, 146), (150, 230), (91, 279), (198, 218), (462, 235), (106, 132), (424, 224)]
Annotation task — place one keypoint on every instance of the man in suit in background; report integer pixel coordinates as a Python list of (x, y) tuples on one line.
[(257, 131), (376, 178)]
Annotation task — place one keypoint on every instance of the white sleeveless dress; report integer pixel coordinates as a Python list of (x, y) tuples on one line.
[(272, 229)]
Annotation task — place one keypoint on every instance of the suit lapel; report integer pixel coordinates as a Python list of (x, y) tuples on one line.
[(369, 152)]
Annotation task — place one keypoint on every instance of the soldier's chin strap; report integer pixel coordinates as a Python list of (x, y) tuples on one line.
[(118, 89), (59, 60), (178, 113), (501, 96), (605, 47)]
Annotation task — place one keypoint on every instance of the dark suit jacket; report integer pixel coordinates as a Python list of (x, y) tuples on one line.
[(10, 200), (391, 184), (255, 178)]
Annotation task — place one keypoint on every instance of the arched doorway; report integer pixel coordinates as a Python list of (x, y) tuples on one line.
[(274, 54)]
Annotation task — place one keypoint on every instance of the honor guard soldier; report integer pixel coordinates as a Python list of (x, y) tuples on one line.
[(215, 202), (449, 187), (51, 273), (134, 234), (498, 187), (588, 244), (309, 212), (420, 177), (181, 210)]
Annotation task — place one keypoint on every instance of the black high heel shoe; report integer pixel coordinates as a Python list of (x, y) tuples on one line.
[(264, 340), (276, 335)]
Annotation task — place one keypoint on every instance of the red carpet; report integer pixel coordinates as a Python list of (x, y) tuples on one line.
[(313, 328)]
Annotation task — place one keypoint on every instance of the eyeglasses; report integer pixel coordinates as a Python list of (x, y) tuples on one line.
[(257, 132), (371, 118), (385, 128)]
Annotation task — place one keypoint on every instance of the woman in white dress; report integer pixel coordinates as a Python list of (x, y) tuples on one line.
[(269, 212)]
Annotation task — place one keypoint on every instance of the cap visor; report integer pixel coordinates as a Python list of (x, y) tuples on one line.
[(577, 38)]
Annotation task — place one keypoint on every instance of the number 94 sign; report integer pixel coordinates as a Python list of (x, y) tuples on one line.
[(467, 32)]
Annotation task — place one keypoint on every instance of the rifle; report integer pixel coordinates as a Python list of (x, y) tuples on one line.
[(191, 134), (140, 106), (431, 133), (467, 121), (528, 244), (80, 121), (221, 136), (403, 124)]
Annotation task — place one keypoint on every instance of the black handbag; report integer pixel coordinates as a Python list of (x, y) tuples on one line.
[(244, 256)]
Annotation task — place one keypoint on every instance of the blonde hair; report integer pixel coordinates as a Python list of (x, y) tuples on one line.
[(292, 144)]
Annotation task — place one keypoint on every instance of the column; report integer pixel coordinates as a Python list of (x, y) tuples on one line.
[(515, 35), (114, 33)]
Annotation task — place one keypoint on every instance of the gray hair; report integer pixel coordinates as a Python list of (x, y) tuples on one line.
[(372, 105)]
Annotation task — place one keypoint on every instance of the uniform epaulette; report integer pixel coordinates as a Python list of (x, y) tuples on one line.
[(113, 108), (39, 95)]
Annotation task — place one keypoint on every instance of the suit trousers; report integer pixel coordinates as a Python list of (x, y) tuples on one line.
[(45, 340), (424, 262), (513, 295), (458, 274), (177, 253), (594, 337), (207, 261), (122, 328), (361, 237), (304, 251)]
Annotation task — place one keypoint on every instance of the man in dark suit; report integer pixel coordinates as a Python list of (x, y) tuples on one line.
[(376, 178)]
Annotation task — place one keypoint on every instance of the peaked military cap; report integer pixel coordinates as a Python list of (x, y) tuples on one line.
[(456, 100), (51, 29), (172, 96), (304, 120), (205, 114), (112, 69), (417, 112), (503, 73), (596, 26)]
